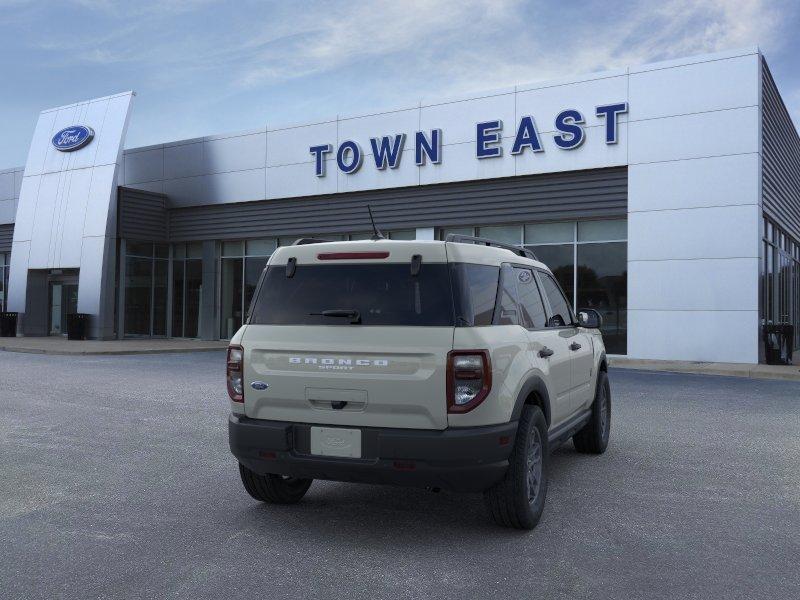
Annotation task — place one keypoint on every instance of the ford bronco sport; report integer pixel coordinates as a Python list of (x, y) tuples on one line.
[(453, 364)]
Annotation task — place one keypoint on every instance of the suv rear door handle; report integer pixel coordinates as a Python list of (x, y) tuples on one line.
[(545, 352), (574, 346)]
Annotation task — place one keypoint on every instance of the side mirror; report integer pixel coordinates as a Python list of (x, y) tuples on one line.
[(589, 318)]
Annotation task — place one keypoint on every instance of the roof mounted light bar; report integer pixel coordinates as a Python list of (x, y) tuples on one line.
[(468, 239)]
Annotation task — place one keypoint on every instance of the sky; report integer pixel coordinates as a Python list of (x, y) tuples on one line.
[(203, 67)]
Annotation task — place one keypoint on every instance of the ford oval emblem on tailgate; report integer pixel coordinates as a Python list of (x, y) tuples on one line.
[(259, 385)]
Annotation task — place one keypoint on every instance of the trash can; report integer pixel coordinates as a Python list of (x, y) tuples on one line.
[(8, 324), (778, 344), (77, 323)]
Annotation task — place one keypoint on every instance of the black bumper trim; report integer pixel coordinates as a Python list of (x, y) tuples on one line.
[(461, 459)]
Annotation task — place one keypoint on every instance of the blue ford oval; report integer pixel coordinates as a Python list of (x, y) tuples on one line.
[(72, 138)]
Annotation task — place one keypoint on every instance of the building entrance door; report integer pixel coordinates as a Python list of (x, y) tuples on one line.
[(63, 300)]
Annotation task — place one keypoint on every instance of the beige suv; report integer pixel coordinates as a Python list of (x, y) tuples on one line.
[(454, 364)]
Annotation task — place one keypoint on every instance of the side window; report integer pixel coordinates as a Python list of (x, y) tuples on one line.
[(562, 315), (530, 300), (505, 312)]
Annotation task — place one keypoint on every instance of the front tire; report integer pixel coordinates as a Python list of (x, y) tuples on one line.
[(275, 489), (518, 500), (593, 438)]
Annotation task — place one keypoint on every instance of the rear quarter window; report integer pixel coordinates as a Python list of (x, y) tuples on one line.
[(474, 293)]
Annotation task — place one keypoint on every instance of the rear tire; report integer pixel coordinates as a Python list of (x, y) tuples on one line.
[(275, 489), (593, 438), (518, 500)]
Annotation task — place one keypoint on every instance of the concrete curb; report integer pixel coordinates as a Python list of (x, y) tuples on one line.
[(749, 371)]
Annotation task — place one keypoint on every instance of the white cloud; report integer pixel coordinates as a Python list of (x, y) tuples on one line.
[(328, 40), (457, 44), (673, 29)]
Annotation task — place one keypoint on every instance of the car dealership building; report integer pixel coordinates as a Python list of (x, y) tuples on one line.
[(666, 196)]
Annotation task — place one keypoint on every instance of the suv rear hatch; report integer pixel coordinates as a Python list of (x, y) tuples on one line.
[(351, 334)]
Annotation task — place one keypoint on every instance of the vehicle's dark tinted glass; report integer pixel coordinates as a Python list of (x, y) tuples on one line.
[(561, 313), (530, 301), (506, 312), (475, 292), (384, 294)]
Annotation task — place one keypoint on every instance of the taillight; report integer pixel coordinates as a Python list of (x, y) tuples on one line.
[(235, 373), (469, 379)]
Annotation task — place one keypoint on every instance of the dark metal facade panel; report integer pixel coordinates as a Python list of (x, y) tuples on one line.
[(142, 215), (6, 237), (780, 191), (597, 193)]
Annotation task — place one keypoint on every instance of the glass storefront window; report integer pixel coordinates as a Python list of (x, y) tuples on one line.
[(187, 283), (231, 296), (780, 282), (550, 233), (194, 250), (232, 248), (506, 234), (603, 285), (194, 288), (138, 295), (239, 274), (602, 231), (160, 286), (260, 247), (445, 231), (178, 291), (403, 234), (146, 288)]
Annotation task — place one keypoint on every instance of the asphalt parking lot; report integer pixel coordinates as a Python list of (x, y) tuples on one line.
[(117, 483)]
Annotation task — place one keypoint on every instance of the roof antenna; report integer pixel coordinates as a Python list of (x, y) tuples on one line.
[(377, 235)]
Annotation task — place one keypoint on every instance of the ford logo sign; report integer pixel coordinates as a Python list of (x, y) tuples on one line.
[(72, 138), (259, 385)]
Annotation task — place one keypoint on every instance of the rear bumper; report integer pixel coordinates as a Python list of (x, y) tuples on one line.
[(468, 459)]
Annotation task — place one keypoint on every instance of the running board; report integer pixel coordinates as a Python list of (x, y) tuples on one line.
[(566, 430)]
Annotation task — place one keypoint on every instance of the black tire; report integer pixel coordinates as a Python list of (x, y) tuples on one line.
[(593, 438), (275, 489), (513, 502)]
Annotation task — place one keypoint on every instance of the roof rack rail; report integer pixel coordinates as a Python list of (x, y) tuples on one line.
[(304, 241), (468, 239)]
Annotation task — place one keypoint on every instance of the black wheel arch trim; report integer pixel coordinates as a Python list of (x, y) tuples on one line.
[(602, 360), (534, 384)]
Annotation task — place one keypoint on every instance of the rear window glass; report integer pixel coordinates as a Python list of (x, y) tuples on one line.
[(382, 294)]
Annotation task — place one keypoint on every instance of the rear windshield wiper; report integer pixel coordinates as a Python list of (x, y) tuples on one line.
[(353, 315)]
